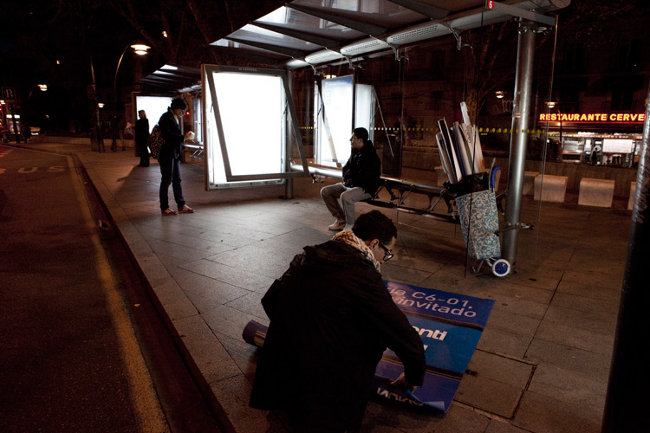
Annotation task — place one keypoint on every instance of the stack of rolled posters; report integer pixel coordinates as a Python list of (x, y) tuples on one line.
[(460, 148)]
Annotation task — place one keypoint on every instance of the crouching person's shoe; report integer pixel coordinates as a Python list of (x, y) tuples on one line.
[(337, 225)]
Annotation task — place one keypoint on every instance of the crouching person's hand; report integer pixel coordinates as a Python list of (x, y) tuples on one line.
[(401, 383)]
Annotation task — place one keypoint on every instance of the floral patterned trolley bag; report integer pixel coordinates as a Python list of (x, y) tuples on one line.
[(479, 222)]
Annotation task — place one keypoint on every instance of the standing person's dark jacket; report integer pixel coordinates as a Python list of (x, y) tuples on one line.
[(141, 131), (363, 169), (331, 319), (171, 132)]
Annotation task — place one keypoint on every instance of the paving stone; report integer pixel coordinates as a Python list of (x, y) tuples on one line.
[(206, 292), (228, 320), (512, 322), (590, 290), (234, 276), (504, 342), (542, 414), (598, 322), (495, 383), (209, 355), (569, 358), (261, 257), (575, 337), (174, 301), (517, 305), (387, 417), (500, 426), (233, 395), (250, 303), (569, 386)]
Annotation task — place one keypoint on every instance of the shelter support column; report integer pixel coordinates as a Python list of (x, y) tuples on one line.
[(518, 138), (625, 405), (288, 185)]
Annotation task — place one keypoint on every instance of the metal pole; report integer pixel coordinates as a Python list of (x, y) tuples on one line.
[(518, 138), (119, 62), (97, 140), (625, 406), (288, 186)]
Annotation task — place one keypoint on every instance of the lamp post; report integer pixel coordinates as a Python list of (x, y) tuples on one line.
[(140, 50), (555, 105)]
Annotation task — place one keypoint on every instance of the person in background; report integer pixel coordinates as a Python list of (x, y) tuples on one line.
[(331, 318), (360, 181), (141, 136), (170, 152)]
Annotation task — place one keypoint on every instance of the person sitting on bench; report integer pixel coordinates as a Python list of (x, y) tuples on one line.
[(360, 181)]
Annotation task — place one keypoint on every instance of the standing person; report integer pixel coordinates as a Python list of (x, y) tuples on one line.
[(360, 181), (141, 136), (331, 320), (170, 153)]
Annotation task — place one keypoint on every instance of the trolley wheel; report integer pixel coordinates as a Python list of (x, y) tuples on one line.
[(501, 268)]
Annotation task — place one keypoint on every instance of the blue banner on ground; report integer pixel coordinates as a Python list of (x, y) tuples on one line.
[(450, 326), (436, 391), (447, 347), (463, 309)]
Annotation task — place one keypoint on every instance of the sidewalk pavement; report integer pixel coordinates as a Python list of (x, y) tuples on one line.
[(541, 365)]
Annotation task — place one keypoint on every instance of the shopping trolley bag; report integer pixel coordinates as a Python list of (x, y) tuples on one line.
[(479, 222)]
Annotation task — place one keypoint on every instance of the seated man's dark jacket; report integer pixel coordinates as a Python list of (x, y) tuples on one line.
[(171, 132), (363, 169), (331, 319)]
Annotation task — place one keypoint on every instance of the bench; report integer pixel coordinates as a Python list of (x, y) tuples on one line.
[(596, 192), (197, 149), (550, 188), (399, 190)]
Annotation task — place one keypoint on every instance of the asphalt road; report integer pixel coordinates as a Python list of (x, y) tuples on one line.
[(82, 347)]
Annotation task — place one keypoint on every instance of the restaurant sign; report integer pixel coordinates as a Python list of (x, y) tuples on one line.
[(612, 118)]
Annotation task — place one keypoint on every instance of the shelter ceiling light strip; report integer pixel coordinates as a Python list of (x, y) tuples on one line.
[(415, 34), (323, 56), (366, 46)]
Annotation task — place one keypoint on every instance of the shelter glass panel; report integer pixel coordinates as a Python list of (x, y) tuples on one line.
[(245, 127)]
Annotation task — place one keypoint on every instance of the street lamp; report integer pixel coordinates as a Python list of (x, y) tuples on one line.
[(140, 50), (555, 105)]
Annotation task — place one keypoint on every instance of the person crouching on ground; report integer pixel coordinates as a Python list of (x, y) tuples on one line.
[(169, 158), (331, 318), (360, 181)]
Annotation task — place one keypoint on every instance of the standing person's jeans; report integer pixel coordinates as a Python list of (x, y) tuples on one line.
[(143, 151), (171, 174), (348, 196)]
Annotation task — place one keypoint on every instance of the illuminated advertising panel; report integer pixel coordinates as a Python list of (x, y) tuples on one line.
[(249, 116)]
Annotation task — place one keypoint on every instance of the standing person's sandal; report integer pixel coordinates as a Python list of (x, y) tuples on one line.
[(185, 209), (168, 212)]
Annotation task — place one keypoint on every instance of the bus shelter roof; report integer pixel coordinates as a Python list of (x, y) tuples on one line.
[(311, 32)]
